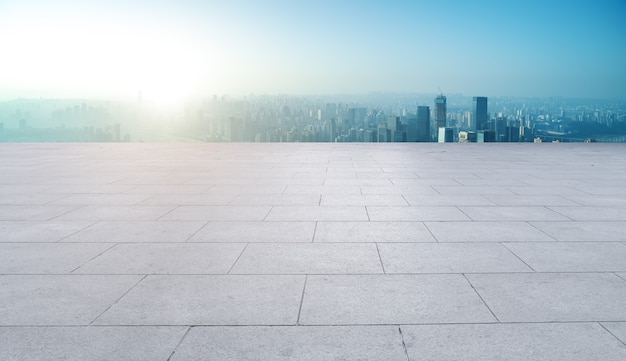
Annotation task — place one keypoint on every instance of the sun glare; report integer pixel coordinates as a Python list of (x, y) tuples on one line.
[(87, 59)]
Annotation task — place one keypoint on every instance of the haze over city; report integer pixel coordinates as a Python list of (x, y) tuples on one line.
[(171, 51)]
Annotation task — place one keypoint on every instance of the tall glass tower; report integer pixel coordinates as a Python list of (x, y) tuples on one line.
[(480, 114), (440, 112)]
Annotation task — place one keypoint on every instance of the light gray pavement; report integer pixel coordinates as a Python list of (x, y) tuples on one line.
[(313, 251)]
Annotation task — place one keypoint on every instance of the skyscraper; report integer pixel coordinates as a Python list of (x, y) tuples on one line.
[(480, 114), (423, 123), (440, 112)]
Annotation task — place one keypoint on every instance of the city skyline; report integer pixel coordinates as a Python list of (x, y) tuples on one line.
[(115, 49)]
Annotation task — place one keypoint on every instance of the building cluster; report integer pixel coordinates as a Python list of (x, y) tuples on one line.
[(281, 118)]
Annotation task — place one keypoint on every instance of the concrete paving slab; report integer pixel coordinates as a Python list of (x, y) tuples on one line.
[(584, 231), (324, 189), (188, 200), (46, 258), (56, 300), (209, 300), (39, 231), (136, 231), (420, 214), (530, 200), (617, 329), (277, 200), (96, 199), (572, 256), (356, 182), (308, 258), (393, 189), (448, 258), (88, 189), (116, 213), (165, 258), (545, 190), (89, 343), (592, 213), (452, 190), (317, 213), (447, 200), (614, 200), (246, 189), (33, 212), (512, 214), (168, 189), (217, 213), (391, 299), (553, 297), (255, 232), (292, 343), (372, 232), (17, 199), (363, 200), (512, 342)]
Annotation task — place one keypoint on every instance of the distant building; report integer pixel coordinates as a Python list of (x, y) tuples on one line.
[(423, 123), (480, 117), (445, 135), (440, 112)]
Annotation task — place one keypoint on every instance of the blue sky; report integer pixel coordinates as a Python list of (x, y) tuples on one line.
[(171, 50)]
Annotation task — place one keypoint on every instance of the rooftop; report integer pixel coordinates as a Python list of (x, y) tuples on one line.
[(313, 251)]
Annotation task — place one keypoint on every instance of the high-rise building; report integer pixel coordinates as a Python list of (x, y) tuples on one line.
[(480, 117), (440, 112), (423, 123)]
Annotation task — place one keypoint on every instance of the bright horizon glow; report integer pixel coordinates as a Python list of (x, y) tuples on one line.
[(173, 51)]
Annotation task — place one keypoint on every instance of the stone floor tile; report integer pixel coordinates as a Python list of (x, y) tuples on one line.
[(550, 297), (512, 214), (277, 200), (189, 200), (255, 232), (27, 199), (308, 258), (324, 189), (95, 199), (447, 200), (312, 343), (89, 343), (233, 189), (88, 188), (372, 232), (393, 189), (168, 189), (46, 258), (451, 190), (391, 299), (209, 300), (415, 214), (165, 258), (448, 258), (356, 182), (317, 213), (614, 200), (33, 212), (544, 190), (217, 213), (412, 181), (584, 231), (363, 200), (618, 329), (39, 231), (512, 342), (59, 299), (592, 213), (116, 213), (529, 200), (572, 256), (136, 231)]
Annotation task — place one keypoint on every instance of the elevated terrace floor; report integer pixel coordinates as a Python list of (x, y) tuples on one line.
[(313, 252)]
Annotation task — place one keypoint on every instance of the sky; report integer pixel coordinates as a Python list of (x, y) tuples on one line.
[(171, 50)]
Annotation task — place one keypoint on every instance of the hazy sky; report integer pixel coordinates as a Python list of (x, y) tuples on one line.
[(170, 49)]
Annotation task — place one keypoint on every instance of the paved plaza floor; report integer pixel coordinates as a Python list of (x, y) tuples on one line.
[(313, 251)]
